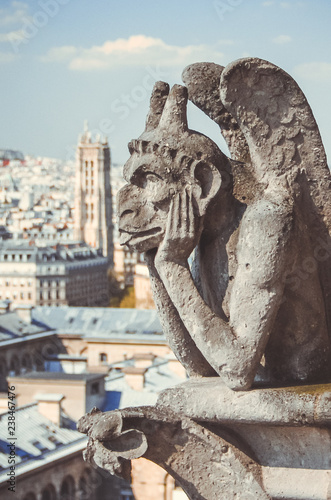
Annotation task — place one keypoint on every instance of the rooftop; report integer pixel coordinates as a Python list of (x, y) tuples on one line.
[(20, 251), (58, 376), (40, 441), (102, 323), (13, 327), (158, 376)]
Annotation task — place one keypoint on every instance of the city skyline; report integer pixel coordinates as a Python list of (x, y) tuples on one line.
[(64, 61)]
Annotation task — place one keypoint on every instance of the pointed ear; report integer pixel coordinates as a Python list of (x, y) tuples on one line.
[(209, 179)]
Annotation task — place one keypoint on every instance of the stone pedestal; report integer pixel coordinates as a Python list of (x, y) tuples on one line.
[(217, 443), (286, 430)]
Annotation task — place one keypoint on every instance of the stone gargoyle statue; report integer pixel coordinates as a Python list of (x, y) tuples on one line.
[(251, 315)]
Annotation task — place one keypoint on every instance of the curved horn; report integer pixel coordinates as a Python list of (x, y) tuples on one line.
[(174, 117), (157, 102)]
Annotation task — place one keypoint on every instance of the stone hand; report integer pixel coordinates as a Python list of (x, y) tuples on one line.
[(183, 230)]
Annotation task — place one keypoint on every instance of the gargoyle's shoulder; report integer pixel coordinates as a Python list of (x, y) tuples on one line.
[(266, 211), (268, 220)]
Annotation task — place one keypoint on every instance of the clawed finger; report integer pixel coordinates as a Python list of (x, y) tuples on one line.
[(190, 213), (173, 217)]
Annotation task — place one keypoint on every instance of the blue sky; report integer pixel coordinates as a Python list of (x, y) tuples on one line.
[(62, 61)]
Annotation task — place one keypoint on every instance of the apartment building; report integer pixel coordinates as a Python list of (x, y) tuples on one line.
[(68, 274)]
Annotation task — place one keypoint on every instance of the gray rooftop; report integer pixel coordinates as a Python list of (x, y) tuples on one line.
[(64, 252), (158, 377), (13, 327), (102, 322), (39, 441), (59, 376)]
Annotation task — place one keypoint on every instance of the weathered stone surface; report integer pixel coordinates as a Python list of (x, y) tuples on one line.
[(242, 313), (211, 400), (205, 463), (253, 313), (213, 456)]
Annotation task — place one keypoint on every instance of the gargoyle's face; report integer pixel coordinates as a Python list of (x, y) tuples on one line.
[(143, 203)]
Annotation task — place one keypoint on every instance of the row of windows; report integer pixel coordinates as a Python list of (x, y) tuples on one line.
[(51, 283), (51, 270), (15, 282), (15, 257), (46, 236), (15, 295), (54, 294), (22, 282)]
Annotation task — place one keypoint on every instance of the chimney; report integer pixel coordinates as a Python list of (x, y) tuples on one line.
[(49, 405), (4, 402), (143, 360), (4, 306), (135, 377), (24, 311)]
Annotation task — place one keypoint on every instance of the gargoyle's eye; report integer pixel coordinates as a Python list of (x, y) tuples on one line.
[(146, 177), (152, 176)]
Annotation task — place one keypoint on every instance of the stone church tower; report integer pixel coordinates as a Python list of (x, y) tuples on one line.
[(93, 198)]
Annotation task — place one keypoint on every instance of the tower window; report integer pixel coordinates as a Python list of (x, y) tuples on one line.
[(95, 388)]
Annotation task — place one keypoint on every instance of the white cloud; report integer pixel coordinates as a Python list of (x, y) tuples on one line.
[(17, 13), (281, 39), (7, 57), (267, 4), (60, 54), (285, 5), (133, 51), (8, 37), (314, 71)]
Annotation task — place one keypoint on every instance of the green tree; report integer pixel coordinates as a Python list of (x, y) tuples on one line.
[(129, 299)]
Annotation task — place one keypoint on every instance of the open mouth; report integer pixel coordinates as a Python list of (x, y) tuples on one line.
[(126, 236)]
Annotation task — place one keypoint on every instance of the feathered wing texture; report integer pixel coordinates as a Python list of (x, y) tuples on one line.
[(278, 125), (286, 149)]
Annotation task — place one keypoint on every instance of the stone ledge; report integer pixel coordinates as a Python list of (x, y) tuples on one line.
[(209, 400)]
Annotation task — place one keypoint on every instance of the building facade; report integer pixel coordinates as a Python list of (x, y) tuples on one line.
[(69, 274), (93, 197)]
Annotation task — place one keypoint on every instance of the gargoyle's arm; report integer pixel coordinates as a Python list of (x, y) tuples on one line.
[(234, 348), (177, 335)]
